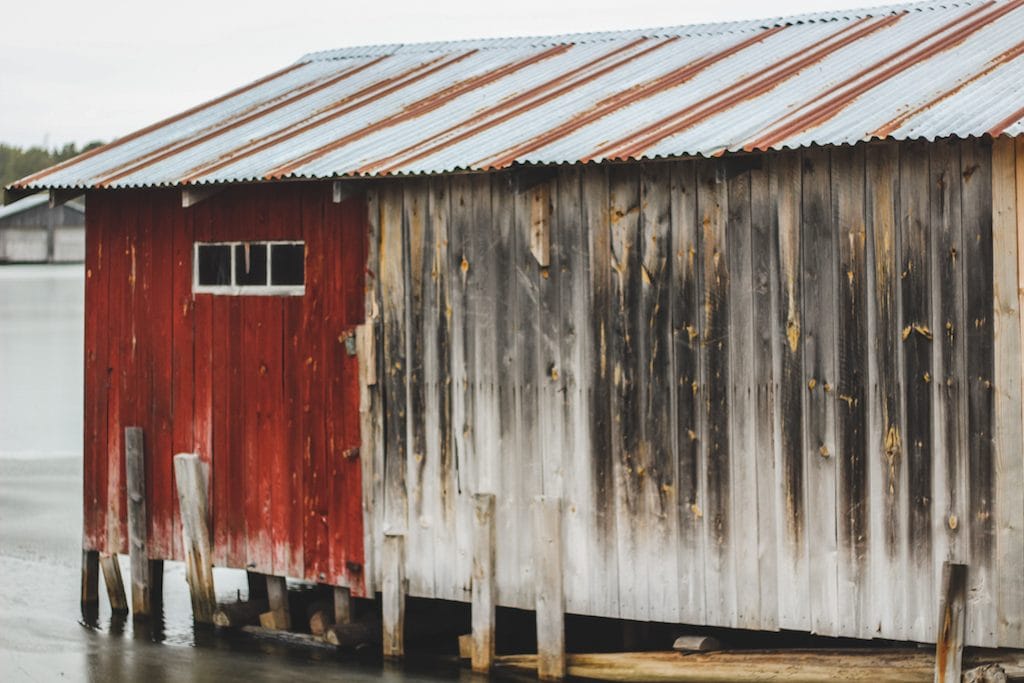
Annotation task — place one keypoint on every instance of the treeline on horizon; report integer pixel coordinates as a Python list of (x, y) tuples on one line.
[(18, 162)]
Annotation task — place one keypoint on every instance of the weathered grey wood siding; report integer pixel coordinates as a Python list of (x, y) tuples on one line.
[(764, 386)]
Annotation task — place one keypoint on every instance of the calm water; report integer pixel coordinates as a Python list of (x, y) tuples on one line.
[(41, 636)]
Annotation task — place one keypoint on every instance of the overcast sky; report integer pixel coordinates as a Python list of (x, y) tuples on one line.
[(81, 70)]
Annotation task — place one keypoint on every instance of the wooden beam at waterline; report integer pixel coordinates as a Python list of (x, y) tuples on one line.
[(143, 601), (550, 593), (483, 612), (115, 584), (195, 534), (394, 589), (949, 645)]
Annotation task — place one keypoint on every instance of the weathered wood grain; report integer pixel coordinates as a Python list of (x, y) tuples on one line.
[(1009, 431), (115, 584), (483, 611), (976, 214), (138, 532), (719, 547), (785, 189), (192, 499), (549, 591), (766, 354), (818, 332), (394, 588), (658, 503), (741, 396), (888, 545), (949, 633), (599, 370), (851, 392), (687, 323)]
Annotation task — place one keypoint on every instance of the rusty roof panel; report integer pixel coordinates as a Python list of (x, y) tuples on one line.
[(923, 70)]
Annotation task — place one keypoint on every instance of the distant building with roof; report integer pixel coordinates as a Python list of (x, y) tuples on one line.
[(32, 231)]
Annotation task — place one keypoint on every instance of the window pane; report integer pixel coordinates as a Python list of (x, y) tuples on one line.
[(288, 264), (251, 264), (214, 264)]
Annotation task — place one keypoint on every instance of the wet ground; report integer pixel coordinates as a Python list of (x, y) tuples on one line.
[(42, 634)]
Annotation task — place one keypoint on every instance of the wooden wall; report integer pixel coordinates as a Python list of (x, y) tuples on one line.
[(773, 391), (263, 387)]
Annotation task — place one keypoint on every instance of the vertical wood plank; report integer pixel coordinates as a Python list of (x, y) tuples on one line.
[(976, 215), (950, 632), (819, 351), (277, 600), (192, 500), (90, 595), (719, 549), (550, 595), (852, 449), (191, 427), (917, 389), (687, 323), (483, 600), (598, 373), (624, 358), (888, 504), (135, 477), (394, 589), (419, 538), (393, 312), (549, 361), (342, 605), (115, 584), (656, 455), (765, 352), (950, 516), (742, 410), (785, 190), (1009, 462), (98, 246)]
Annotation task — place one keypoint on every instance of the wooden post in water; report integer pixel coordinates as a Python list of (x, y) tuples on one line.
[(342, 605), (394, 589), (195, 535), (949, 639), (550, 593), (483, 582), (277, 597), (90, 581), (115, 585), (257, 585), (138, 548)]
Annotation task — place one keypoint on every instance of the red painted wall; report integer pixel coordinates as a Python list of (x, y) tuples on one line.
[(263, 388)]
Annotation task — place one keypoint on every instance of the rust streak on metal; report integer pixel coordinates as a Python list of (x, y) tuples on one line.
[(234, 121), (512, 107), (423, 106), (894, 124), (866, 79), (364, 96), (748, 88), (1001, 127), (159, 124), (619, 100)]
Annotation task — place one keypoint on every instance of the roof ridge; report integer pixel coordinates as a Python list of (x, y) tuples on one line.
[(585, 37)]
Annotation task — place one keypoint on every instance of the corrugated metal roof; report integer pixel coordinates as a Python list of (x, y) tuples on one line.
[(923, 70)]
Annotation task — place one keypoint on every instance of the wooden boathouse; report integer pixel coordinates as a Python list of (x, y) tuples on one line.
[(741, 302)]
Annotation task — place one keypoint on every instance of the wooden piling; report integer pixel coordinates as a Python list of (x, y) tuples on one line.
[(342, 605), (90, 578), (257, 585), (277, 597), (115, 585), (550, 594), (949, 640), (195, 534), (394, 589), (138, 546), (483, 614)]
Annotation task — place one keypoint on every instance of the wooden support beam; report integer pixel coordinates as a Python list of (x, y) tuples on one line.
[(115, 585), (190, 196), (549, 588), (257, 585), (394, 589), (191, 479), (342, 605), (540, 224), (238, 614), (277, 598), (949, 640), (90, 578), (58, 197), (483, 613), (138, 549)]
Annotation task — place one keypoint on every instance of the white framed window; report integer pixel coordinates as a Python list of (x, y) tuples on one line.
[(249, 268)]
